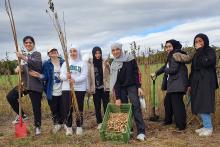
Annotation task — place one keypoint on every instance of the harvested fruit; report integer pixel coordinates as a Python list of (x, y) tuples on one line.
[(117, 122)]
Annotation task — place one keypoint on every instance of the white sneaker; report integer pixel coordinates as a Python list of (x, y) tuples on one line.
[(99, 126), (79, 131), (206, 132), (37, 131), (199, 130), (56, 128), (17, 119), (65, 127), (69, 131), (141, 137)]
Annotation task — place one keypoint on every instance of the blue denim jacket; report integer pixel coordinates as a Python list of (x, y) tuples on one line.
[(48, 78)]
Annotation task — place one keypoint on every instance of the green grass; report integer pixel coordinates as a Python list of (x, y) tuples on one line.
[(91, 137), (147, 86), (8, 81)]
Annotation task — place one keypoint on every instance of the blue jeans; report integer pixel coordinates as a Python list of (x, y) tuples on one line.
[(206, 120)]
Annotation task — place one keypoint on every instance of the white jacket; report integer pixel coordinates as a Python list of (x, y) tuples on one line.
[(79, 73)]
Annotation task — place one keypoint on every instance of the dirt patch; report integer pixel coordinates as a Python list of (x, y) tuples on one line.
[(157, 136)]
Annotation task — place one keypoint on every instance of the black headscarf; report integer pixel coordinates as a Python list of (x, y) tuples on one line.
[(204, 38), (98, 65), (176, 48), (97, 61), (176, 44), (199, 52)]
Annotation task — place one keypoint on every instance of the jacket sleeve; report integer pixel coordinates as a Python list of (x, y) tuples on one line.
[(83, 76), (89, 78), (173, 67), (136, 74), (34, 62), (117, 88), (44, 76), (208, 58), (63, 72), (160, 71), (183, 58), (107, 66)]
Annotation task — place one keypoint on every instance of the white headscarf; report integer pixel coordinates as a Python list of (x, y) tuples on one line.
[(79, 56)]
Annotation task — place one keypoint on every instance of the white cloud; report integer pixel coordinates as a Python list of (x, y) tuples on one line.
[(100, 22), (184, 33)]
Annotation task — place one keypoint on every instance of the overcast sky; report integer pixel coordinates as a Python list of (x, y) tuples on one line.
[(100, 22)]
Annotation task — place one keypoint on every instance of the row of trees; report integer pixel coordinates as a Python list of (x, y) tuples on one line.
[(7, 67), (152, 56), (157, 56)]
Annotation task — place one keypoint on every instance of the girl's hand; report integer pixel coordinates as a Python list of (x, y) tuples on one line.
[(118, 102), (153, 76), (140, 92), (21, 56), (71, 81), (198, 45), (17, 69), (34, 74)]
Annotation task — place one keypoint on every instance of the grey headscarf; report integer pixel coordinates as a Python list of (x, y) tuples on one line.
[(117, 64)]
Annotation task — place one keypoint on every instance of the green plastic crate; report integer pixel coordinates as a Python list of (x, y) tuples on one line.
[(116, 137)]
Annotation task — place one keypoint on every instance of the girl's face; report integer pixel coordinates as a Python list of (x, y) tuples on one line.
[(73, 53), (116, 52), (53, 54), (98, 55), (168, 47), (29, 45), (199, 43)]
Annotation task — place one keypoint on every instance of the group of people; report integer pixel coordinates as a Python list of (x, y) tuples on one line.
[(99, 78), (200, 85), (95, 77)]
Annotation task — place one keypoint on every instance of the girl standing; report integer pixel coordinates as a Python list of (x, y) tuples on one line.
[(31, 85), (53, 86), (78, 76), (124, 81), (98, 82), (203, 82), (175, 82)]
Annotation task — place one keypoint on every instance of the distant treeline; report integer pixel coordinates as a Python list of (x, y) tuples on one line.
[(153, 57), (160, 56), (7, 67)]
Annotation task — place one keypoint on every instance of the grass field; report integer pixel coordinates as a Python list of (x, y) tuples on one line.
[(156, 134)]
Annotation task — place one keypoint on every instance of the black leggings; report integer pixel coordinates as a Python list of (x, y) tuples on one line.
[(56, 108), (174, 105), (100, 98), (67, 113), (35, 97)]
